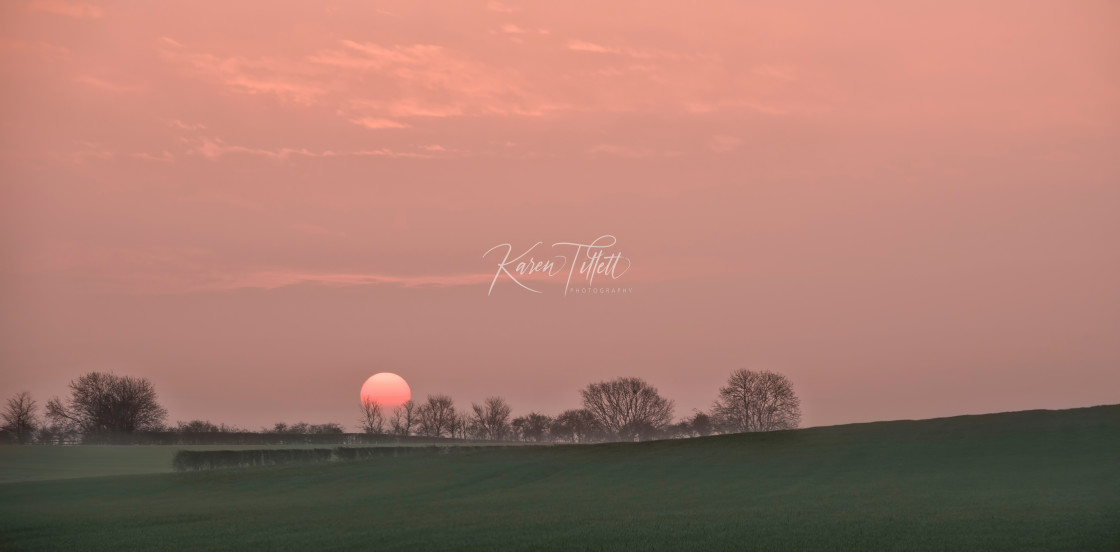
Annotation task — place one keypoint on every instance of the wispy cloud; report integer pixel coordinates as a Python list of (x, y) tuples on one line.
[(378, 123), (186, 126), (79, 10), (109, 86), (499, 7), (584, 46), (216, 148)]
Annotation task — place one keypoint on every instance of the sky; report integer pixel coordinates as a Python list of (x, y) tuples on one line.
[(909, 209)]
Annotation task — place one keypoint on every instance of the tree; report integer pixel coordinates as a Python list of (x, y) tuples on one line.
[(371, 421), (697, 425), (701, 424), (197, 426), (491, 418), (459, 425), (105, 402), (757, 401), (404, 418), (20, 418), (533, 427), (576, 426), (435, 416), (627, 407)]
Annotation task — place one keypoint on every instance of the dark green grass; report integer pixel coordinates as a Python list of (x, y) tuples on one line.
[(1039, 480)]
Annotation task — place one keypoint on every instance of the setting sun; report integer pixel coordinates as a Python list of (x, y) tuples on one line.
[(386, 389)]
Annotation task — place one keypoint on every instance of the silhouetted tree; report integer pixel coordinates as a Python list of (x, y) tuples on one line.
[(371, 421), (56, 434), (627, 407), (642, 430), (757, 401), (459, 426), (532, 427), (197, 426), (435, 416), (304, 428), (105, 402), (20, 418), (404, 418), (701, 424), (575, 426), (491, 418)]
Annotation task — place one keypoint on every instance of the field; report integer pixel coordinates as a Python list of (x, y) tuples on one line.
[(1036, 480), (38, 463)]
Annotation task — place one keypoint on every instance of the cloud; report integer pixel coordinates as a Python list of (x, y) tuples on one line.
[(584, 46), (78, 10), (215, 148), (186, 126), (107, 85), (277, 77), (499, 7), (392, 86), (376, 123), (581, 46), (90, 151)]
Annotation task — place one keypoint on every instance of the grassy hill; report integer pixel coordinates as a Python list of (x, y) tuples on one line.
[(1036, 480)]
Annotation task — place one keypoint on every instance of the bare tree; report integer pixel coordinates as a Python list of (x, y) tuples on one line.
[(198, 426), (371, 420), (459, 424), (700, 424), (435, 416), (105, 402), (20, 418), (627, 407), (576, 426), (532, 427), (404, 418), (757, 401), (492, 418)]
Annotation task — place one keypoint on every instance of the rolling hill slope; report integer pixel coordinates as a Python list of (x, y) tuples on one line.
[(1035, 480)]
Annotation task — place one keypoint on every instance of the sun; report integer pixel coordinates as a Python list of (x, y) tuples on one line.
[(386, 389)]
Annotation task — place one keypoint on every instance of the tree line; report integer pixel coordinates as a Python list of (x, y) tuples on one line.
[(622, 409)]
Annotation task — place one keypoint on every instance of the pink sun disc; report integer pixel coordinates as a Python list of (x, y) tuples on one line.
[(386, 389)]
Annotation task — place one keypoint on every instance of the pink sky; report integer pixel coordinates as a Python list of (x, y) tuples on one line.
[(910, 209)]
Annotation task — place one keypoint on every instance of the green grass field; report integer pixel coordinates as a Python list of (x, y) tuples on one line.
[(1037, 480)]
